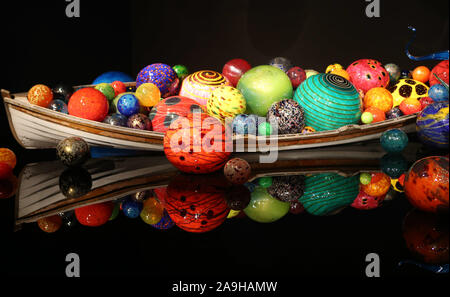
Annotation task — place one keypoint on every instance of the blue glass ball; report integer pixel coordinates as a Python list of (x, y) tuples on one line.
[(394, 140), (116, 119), (128, 105), (245, 124), (438, 93), (58, 105), (131, 208), (165, 223), (432, 125), (394, 165), (110, 76)]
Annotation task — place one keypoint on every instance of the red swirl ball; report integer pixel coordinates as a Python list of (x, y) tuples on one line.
[(197, 144)]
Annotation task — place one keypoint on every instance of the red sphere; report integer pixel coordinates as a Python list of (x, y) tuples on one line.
[(410, 106), (170, 109), (94, 215), (366, 74), (234, 69), (426, 236), (196, 203), (119, 87), (426, 184), (88, 103), (5, 170), (441, 70), (424, 101), (297, 75), (197, 144)]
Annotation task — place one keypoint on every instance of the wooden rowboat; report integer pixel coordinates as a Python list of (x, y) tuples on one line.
[(39, 195), (35, 127)]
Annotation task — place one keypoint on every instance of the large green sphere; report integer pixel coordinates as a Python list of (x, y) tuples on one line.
[(264, 208), (262, 86), (329, 102)]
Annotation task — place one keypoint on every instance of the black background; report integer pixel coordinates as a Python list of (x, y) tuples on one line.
[(41, 45)]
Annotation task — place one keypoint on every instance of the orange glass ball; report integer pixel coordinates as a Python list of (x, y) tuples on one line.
[(88, 103), (421, 73), (40, 95), (378, 115), (50, 224), (380, 98), (197, 144), (8, 156), (410, 106), (427, 184), (378, 186)]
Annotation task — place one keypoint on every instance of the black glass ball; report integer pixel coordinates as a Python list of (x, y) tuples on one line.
[(238, 197), (73, 151), (62, 92), (393, 113), (75, 182)]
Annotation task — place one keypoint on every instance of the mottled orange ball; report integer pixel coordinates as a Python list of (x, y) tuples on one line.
[(8, 156), (421, 73), (378, 186), (378, 116), (88, 103), (50, 224), (427, 184), (380, 98), (410, 106), (40, 95)]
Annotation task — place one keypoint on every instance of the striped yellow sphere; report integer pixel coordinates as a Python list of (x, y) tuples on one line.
[(226, 102), (199, 85)]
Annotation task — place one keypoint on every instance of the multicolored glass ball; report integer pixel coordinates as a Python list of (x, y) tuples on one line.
[(72, 151), (159, 74), (287, 115), (237, 171), (139, 121), (432, 125)]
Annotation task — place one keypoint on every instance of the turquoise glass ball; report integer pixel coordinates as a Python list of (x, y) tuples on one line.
[(329, 101), (394, 140), (328, 192), (432, 125)]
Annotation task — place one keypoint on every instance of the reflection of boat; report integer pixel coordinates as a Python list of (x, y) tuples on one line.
[(39, 193), (36, 127)]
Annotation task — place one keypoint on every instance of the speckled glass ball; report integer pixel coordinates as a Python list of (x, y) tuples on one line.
[(58, 105), (139, 121), (238, 197), (40, 95), (287, 188), (237, 171), (128, 104), (282, 63), (394, 140), (288, 115), (245, 124), (160, 74), (393, 113), (72, 151), (75, 182), (116, 119)]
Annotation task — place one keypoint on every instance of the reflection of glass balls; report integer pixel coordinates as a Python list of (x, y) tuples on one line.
[(75, 182), (287, 188), (394, 140), (393, 165)]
